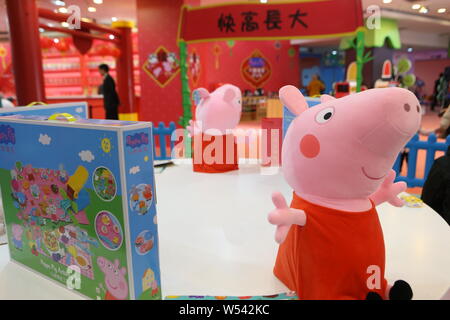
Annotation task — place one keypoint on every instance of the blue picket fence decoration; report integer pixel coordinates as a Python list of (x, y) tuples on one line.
[(414, 145), (164, 135)]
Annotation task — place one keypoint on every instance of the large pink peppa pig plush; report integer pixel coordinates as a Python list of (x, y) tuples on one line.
[(338, 157), (116, 284), (217, 114)]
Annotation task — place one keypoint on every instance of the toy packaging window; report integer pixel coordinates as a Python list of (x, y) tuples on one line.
[(79, 204)]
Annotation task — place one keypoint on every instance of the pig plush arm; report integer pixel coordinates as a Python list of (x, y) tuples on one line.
[(191, 128), (388, 191), (283, 217)]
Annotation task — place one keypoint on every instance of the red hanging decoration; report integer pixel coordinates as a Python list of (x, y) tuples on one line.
[(63, 45), (46, 43), (106, 50)]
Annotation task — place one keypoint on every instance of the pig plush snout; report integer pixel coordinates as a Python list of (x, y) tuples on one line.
[(399, 116)]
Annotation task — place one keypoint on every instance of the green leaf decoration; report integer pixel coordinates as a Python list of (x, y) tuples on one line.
[(403, 65), (409, 80)]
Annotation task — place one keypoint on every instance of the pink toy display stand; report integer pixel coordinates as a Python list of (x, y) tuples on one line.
[(268, 125), (227, 161)]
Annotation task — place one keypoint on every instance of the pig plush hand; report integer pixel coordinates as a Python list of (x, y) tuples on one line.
[(216, 112), (283, 217), (388, 191)]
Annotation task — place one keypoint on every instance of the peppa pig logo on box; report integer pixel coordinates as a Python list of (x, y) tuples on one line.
[(137, 140), (7, 135)]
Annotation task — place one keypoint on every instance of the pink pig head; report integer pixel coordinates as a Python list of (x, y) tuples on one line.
[(344, 148), (219, 110), (115, 280)]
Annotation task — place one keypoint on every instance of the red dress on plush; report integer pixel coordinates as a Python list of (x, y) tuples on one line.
[(210, 160), (334, 256)]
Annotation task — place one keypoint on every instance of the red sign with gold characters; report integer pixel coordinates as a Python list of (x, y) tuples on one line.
[(256, 69), (303, 19)]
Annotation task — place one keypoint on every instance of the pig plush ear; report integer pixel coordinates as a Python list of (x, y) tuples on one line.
[(199, 94), (232, 93), (116, 263), (326, 97), (229, 95), (292, 98)]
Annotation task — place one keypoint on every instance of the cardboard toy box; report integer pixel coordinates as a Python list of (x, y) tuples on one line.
[(79, 203), (78, 109)]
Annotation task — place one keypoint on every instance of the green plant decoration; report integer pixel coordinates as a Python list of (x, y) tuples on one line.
[(186, 96), (361, 58)]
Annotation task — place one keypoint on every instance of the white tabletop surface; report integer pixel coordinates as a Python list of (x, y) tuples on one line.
[(215, 240)]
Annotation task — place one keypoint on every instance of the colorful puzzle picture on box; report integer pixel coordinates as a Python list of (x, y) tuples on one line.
[(63, 207)]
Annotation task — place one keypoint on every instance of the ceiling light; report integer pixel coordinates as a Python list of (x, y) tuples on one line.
[(50, 24), (111, 36), (56, 40), (62, 10), (387, 1), (263, 1), (65, 24), (423, 9), (416, 6), (114, 19), (98, 1), (41, 30), (59, 3), (334, 52), (92, 9), (410, 49), (442, 10)]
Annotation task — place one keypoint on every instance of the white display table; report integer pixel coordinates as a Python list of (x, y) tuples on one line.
[(215, 240)]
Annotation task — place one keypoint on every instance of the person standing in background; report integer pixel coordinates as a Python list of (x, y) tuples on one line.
[(436, 190), (108, 90), (434, 102), (315, 87)]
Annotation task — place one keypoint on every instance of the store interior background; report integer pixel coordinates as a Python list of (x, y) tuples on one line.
[(70, 76)]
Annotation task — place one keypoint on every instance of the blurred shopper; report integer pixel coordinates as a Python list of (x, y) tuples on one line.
[(316, 86), (434, 102), (436, 190), (444, 129), (108, 90)]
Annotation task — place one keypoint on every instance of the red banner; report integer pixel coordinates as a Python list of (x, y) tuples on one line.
[(303, 19)]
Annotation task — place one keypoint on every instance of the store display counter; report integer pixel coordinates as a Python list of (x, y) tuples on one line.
[(218, 241)]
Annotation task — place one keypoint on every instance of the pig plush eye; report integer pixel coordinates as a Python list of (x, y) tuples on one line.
[(325, 115)]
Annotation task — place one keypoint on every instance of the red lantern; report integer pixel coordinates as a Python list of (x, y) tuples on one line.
[(115, 52), (46, 43), (62, 45)]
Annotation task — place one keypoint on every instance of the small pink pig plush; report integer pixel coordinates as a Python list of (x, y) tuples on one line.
[(217, 114), (338, 157)]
